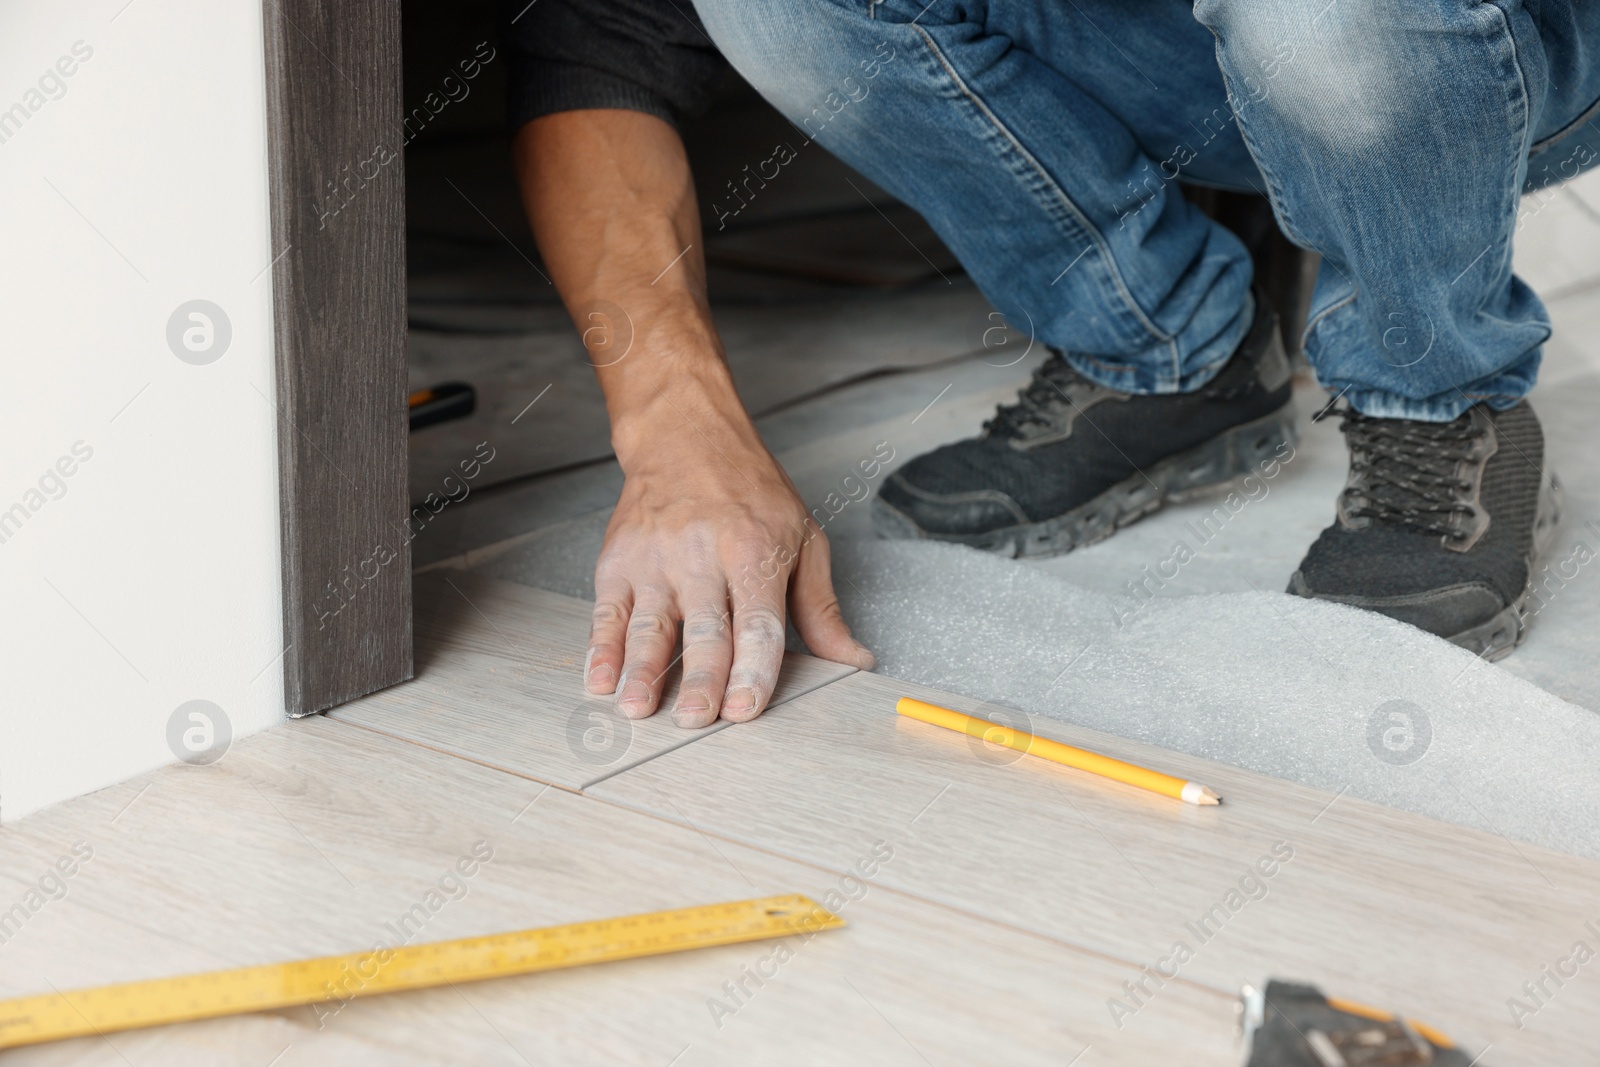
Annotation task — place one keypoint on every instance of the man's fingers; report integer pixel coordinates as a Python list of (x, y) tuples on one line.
[(652, 635), (816, 609), (603, 665), (707, 653), (757, 653)]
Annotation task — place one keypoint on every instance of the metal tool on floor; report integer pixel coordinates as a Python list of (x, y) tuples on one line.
[(1291, 1025), (134, 1005), (441, 403), (1079, 758)]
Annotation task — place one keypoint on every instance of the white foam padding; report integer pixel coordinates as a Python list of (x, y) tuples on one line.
[(1277, 684)]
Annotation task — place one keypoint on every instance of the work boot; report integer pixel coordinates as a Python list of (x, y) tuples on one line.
[(1439, 525), (1072, 460)]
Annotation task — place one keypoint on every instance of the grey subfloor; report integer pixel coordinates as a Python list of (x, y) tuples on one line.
[(1223, 664), (542, 409)]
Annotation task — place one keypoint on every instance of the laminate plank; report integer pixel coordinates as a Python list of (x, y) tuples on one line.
[(500, 681), (319, 838), (1379, 905)]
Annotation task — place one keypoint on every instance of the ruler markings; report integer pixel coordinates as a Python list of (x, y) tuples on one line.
[(156, 1002)]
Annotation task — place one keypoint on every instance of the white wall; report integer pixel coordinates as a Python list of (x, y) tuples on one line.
[(153, 579)]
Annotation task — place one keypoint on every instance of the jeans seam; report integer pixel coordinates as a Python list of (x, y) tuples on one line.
[(1280, 203), (1096, 238), (1566, 131), (1275, 197), (1305, 335), (1108, 368), (1518, 158)]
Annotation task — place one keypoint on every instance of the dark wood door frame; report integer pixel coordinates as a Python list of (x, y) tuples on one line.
[(337, 177)]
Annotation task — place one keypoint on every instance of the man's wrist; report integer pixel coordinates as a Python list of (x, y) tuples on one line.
[(698, 404), (670, 380)]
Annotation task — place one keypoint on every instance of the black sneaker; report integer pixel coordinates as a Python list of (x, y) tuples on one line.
[(1439, 525), (1072, 461)]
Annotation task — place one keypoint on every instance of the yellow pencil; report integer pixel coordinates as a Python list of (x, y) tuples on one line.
[(1081, 758)]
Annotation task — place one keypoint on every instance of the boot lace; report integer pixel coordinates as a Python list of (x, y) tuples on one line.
[(1407, 473), (1049, 394)]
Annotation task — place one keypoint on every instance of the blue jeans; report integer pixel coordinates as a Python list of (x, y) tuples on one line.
[(1043, 141)]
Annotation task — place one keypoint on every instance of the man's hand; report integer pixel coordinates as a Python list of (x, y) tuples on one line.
[(709, 531)]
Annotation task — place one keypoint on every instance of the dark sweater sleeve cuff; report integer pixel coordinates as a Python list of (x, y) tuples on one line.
[(546, 87)]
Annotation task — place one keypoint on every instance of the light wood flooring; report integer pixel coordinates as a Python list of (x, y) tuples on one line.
[(1016, 900)]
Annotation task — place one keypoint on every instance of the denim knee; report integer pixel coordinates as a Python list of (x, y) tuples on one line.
[(1336, 73), (1356, 73)]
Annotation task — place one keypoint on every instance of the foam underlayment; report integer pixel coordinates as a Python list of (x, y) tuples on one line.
[(1297, 689)]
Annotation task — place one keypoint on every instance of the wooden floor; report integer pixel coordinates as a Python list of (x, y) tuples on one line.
[(1009, 903)]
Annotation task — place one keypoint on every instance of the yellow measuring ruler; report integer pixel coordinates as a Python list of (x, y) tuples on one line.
[(104, 1009)]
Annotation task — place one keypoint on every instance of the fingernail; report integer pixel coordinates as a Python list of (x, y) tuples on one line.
[(741, 701), (864, 657), (635, 700), (692, 709), (602, 677)]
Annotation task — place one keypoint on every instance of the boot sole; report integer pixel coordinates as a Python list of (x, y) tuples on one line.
[(1223, 460), (1495, 638)]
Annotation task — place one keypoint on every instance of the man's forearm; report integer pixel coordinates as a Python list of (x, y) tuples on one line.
[(703, 503), (611, 200)]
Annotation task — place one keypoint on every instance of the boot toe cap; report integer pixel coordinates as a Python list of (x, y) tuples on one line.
[(1445, 611), (904, 509)]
